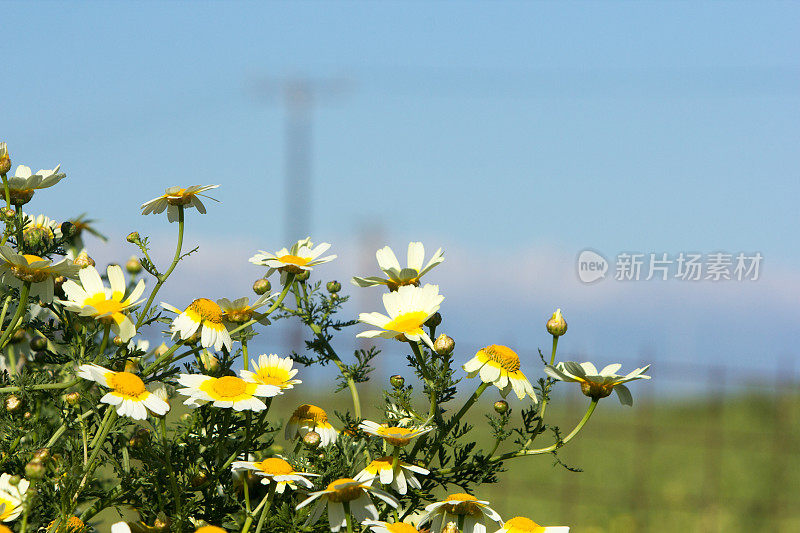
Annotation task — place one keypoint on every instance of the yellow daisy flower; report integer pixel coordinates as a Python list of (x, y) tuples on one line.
[(397, 276), (175, 196), (205, 315), (307, 418), (92, 298), (346, 490), (275, 469), (128, 392), (520, 524), (500, 365), (596, 384), (11, 497), (382, 469), (302, 256), (394, 435), (471, 514), (390, 527), (272, 370), (16, 269), (226, 392), (408, 308), (24, 183)]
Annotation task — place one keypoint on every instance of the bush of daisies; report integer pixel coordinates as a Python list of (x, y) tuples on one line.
[(178, 435)]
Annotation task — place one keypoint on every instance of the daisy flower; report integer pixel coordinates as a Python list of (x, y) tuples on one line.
[(390, 527), (5, 159), (307, 418), (302, 256), (205, 315), (128, 392), (240, 311), (24, 183), (176, 196), (41, 229), (520, 524), (596, 384), (92, 298), (277, 470), (226, 392), (499, 365), (382, 469), (11, 497), (397, 276), (396, 436), (471, 514), (272, 370), (349, 491), (16, 269), (408, 307)]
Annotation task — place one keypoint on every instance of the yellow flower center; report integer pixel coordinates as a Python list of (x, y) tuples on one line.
[(504, 356), (275, 467), (310, 413), (179, 197), (294, 260), (4, 529), (395, 435), (207, 310), (127, 384), (103, 305), (8, 509), (344, 494), (209, 529), (23, 272), (520, 524), (401, 527), (273, 376), (229, 386), (407, 322), (73, 525), (466, 505), (380, 464)]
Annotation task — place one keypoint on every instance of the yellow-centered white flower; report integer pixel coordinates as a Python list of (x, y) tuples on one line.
[(205, 315), (307, 418), (596, 384), (499, 365), (520, 524), (477, 514), (240, 310), (229, 392), (400, 478), (356, 494), (16, 269), (177, 196), (24, 183), (272, 370), (11, 497), (396, 276), (275, 470), (302, 256), (408, 308), (128, 393), (390, 527), (394, 435), (107, 305)]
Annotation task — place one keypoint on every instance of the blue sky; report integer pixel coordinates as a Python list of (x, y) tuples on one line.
[(511, 133)]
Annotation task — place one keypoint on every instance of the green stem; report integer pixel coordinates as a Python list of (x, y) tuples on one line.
[(553, 354), (267, 503), (7, 192), (43, 386), (20, 237), (163, 278), (23, 302), (545, 394), (104, 342), (348, 517), (434, 410), (97, 445), (176, 493)]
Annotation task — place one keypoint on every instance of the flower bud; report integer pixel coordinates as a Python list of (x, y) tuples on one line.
[(311, 439), (303, 276), (13, 404), (83, 260), (132, 365), (14, 480), (35, 470), (444, 345), (38, 344), (210, 362), (41, 455), (58, 284), (7, 213), (501, 407), (18, 336), (37, 239), (334, 286), (27, 416), (5, 159), (199, 478), (161, 525), (73, 398), (261, 286), (68, 229), (133, 237), (139, 438), (557, 326), (451, 527), (397, 381), (434, 320), (133, 266)]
